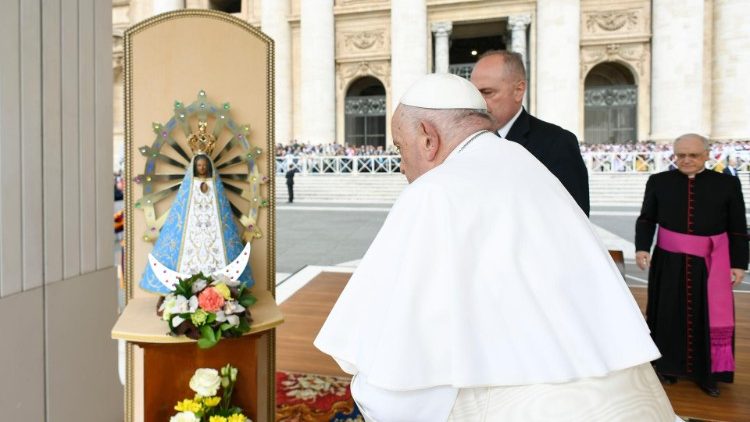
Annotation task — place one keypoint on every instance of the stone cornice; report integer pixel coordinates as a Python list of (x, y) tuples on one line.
[(380, 69), (616, 39), (636, 54), (369, 58)]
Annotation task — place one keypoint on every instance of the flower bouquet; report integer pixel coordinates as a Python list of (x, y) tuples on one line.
[(207, 405), (207, 309)]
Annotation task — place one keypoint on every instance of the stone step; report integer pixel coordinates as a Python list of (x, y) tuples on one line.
[(604, 188)]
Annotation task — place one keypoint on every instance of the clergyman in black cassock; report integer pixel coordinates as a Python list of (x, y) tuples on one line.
[(709, 203)]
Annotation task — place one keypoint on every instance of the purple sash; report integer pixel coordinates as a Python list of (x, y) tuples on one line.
[(715, 251)]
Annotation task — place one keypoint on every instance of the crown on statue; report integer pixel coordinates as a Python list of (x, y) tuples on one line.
[(202, 142)]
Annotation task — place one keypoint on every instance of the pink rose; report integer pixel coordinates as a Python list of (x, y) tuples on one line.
[(210, 300)]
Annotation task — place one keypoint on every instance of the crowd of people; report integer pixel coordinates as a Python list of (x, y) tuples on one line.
[(718, 149), (647, 156), (332, 149)]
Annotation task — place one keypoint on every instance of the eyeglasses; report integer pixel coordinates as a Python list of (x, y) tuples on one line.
[(690, 156)]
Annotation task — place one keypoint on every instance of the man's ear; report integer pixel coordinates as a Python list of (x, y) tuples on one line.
[(520, 90), (432, 140)]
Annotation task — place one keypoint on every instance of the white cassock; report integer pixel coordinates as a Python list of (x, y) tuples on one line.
[(486, 273)]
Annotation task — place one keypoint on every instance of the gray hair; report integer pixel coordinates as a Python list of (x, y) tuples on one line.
[(703, 139), (451, 123), (513, 62)]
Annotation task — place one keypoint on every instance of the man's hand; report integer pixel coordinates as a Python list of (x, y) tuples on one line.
[(642, 259), (738, 274)]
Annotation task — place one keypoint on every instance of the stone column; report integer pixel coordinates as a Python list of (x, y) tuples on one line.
[(318, 73), (274, 23), (138, 11), (408, 45), (677, 78), (518, 25), (558, 63), (442, 33), (161, 6), (731, 92)]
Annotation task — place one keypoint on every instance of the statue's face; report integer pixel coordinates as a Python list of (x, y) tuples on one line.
[(201, 166)]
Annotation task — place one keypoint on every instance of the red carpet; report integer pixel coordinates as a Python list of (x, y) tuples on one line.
[(314, 398)]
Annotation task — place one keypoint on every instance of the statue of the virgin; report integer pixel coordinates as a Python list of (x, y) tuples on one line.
[(199, 234)]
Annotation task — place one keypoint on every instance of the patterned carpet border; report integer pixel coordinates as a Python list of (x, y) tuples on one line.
[(314, 398), (304, 397)]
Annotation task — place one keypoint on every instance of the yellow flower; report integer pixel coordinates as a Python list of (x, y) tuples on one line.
[(223, 290), (236, 418), (188, 405), (217, 419), (212, 401)]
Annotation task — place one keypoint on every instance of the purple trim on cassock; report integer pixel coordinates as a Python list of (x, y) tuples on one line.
[(715, 251)]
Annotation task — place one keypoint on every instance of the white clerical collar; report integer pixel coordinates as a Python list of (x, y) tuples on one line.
[(503, 132), (466, 142), (693, 176)]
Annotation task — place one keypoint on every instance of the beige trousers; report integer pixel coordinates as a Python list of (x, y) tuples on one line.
[(633, 394)]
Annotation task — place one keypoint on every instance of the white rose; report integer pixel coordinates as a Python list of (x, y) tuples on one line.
[(193, 304), (221, 278), (198, 285), (184, 417), (167, 306), (232, 307), (233, 320), (220, 317), (177, 320), (205, 382), (180, 306)]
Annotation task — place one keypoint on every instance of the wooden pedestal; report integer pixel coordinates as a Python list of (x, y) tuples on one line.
[(169, 362), (168, 368)]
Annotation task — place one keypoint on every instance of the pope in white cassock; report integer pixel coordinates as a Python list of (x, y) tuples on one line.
[(486, 295)]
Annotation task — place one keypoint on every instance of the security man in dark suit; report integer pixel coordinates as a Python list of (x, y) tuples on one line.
[(290, 172), (501, 78)]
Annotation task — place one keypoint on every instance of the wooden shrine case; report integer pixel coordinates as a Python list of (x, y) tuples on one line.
[(181, 67)]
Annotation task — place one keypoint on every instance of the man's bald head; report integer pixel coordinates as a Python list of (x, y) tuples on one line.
[(501, 79), (514, 67), (691, 153), (695, 138)]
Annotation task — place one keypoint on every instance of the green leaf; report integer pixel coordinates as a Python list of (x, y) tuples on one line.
[(247, 300), (211, 318), (206, 344), (208, 334), (244, 326), (225, 326)]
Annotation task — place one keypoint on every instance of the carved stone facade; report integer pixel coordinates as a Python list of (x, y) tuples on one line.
[(349, 72), (634, 55), (360, 43), (611, 32), (613, 21), (618, 31)]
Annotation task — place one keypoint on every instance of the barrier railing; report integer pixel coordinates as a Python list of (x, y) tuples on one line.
[(337, 164), (599, 162)]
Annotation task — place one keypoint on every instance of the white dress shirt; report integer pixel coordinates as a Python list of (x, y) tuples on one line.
[(503, 132)]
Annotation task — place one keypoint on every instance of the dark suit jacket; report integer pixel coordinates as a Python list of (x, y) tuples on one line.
[(290, 176), (558, 150), (729, 172)]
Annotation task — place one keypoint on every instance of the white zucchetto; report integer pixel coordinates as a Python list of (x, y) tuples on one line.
[(443, 91)]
